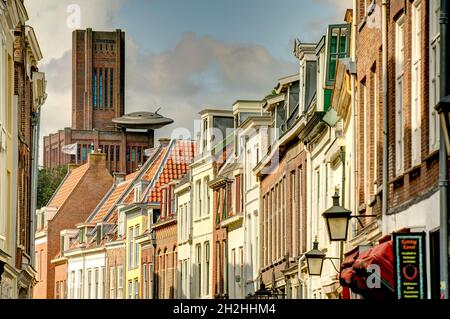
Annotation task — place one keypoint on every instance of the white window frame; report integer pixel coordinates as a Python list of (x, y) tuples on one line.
[(198, 189), (399, 95), (435, 44), (120, 282), (416, 60), (136, 246), (130, 247), (112, 286)]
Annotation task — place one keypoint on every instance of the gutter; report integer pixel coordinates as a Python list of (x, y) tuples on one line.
[(384, 198), (35, 122), (443, 157)]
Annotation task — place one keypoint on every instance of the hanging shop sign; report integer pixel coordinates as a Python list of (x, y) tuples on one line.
[(409, 265)]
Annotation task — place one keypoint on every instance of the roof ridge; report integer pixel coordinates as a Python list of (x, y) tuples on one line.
[(132, 181), (73, 189), (160, 169), (59, 187), (63, 181)]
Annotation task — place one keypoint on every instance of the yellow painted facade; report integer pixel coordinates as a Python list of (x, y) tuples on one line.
[(134, 226)]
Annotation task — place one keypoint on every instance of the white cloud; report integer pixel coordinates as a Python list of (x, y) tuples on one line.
[(198, 72), (49, 19)]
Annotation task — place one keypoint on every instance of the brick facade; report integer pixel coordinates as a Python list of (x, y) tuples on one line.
[(274, 254), (167, 260), (115, 256), (76, 207)]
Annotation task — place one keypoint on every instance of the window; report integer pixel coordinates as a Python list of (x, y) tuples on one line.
[(106, 89), (100, 103), (375, 131), (399, 92), (435, 76), (338, 47), (57, 293), (119, 282), (130, 289), (95, 89), (206, 188), (136, 289), (199, 270), (416, 82), (121, 225), (199, 198), (130, 248), (294, 213), (89, 286), (205, 134), (366, 130), (207, 268), (144, 277), (97, 284), (172, 200), (136, 249), (111, 88), (80, 284), (112, 284)]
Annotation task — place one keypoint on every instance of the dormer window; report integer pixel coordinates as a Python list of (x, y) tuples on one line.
[(338, 47), (205, 134), (137, 193), (82, 237), (99, 233), (121, 223), (62, 243)]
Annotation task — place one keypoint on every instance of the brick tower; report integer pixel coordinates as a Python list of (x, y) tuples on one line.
[(98, 78)]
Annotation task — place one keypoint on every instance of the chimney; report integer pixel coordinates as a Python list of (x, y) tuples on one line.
[(164, 141), (119, 177), (97, 160)]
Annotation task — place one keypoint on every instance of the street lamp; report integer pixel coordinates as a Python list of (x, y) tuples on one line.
[(443, 108), (315, 259), (337, 218)]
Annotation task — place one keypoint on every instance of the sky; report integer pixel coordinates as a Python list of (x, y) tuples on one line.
[(181, 55)]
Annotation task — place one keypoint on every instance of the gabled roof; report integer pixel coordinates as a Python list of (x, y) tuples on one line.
[(68, 184), (175, 164), (109, 202)]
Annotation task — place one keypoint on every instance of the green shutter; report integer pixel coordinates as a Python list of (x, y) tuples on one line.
[(327, 99)]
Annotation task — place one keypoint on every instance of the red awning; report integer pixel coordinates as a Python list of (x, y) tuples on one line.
[(355, 274)]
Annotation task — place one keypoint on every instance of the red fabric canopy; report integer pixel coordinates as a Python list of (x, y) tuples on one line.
[(355, 271)]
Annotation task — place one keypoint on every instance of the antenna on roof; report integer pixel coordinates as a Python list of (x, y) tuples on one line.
[(157, 110)]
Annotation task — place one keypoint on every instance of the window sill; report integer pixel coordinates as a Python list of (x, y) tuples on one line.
[(432, 157), (398, 181), (414, 172), (200, 219)]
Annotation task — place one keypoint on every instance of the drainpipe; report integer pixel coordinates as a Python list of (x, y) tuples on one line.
[(443, 158), (341, 244), (354, 123), (384, 197), (34, 176)]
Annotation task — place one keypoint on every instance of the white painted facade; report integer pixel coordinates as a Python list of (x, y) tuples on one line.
[(86, 274), (252, 139), (202, 204), (8, 158), (184, 233)]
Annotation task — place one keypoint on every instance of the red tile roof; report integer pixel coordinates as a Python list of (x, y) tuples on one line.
[(67, 186), (176, 165)]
